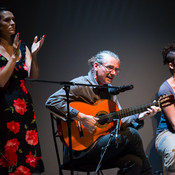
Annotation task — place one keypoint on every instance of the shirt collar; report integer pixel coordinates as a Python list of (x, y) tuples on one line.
[(92, 78)]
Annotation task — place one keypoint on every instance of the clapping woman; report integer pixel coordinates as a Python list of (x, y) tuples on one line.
[(19, 144)]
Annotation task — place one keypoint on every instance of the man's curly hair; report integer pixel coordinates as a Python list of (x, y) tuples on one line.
[(167, 53)]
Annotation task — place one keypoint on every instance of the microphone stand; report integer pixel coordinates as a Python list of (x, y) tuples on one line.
[(68, 83), (67, 89), (114, 133)]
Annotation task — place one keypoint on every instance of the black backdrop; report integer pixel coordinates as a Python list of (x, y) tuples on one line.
[(75, 30)]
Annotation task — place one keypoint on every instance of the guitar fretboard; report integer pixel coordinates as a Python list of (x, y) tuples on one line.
[(126, 112)]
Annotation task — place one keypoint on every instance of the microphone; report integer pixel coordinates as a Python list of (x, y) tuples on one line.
[(117, 90)]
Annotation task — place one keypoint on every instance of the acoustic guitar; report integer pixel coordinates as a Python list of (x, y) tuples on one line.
[(106, 111)]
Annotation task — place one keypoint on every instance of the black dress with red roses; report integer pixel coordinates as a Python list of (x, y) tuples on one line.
[(19, 145)]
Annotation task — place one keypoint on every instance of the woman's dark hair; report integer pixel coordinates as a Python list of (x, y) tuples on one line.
[(168, 54), (5, 9)]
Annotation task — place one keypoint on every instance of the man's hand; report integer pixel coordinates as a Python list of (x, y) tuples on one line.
[(88, 121), (149, 113)]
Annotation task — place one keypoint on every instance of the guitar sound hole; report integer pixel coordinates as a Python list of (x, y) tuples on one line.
[(102, 121)]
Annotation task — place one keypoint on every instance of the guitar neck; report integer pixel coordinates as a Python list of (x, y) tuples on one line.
[(133, 110), (128, 111)]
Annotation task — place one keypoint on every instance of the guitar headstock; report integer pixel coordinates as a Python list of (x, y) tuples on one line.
[(166, 100)]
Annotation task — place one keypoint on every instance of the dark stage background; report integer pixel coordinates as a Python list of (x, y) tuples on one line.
[(75, 30)]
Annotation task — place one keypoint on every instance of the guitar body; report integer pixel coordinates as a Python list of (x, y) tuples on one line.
[(87, 139), (106, 111)]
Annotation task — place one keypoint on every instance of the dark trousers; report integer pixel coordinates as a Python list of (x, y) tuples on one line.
[(126, 152)]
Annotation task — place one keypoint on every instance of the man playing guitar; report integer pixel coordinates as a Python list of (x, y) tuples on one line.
[(89, 135)]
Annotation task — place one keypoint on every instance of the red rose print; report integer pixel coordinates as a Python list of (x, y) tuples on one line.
[(3, 161), (20, 106), (32, 137), (13, 126), (32, 160), (21, 170), (22, 85), (34, 117), (2, 67), (9, 158), (25, 67), (12, 145), (16, 68)]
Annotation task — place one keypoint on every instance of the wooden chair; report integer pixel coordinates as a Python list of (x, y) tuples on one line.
[(55, 121)]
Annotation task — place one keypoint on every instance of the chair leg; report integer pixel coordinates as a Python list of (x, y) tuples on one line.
[(100, 172), (55, 143)]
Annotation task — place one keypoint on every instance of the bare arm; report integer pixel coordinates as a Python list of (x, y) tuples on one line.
[(7, 71), (32, 64), (31, 58), (170, 114)]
